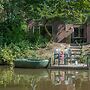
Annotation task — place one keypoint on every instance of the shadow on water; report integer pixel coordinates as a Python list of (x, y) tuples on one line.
[(43, 79)]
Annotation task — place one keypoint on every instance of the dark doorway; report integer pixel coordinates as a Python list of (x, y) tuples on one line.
[(78, 35)]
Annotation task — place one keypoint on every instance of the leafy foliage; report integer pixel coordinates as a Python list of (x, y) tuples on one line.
[(6, 55)]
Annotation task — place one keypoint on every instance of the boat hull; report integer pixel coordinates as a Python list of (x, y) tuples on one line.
[(31, 63)]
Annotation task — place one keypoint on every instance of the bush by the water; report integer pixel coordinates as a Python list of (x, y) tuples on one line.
[(8, 53)]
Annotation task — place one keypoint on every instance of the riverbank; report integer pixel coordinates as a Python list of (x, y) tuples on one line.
[(10, 53), (49, 50)]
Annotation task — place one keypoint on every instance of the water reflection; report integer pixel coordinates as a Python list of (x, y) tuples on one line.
[(39, 79), (6, 76), (71, 80), (20, 79), (29, 77)]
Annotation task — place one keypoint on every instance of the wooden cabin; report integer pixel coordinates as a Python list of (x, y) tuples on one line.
[(66, 33), (71, 33)]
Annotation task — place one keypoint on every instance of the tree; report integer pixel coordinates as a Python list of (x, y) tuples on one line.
[(74, 10), (68, 11)]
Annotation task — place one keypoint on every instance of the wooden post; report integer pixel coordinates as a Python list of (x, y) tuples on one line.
[(87, 62)]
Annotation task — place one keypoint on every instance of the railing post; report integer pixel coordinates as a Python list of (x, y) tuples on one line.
[(88, 65), (87, 61)]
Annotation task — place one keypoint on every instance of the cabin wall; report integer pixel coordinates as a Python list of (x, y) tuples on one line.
[(85, 31), (88, 33)]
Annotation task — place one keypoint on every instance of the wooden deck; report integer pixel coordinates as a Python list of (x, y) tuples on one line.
[(79, 66)]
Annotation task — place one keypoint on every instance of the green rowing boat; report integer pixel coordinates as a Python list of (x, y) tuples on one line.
[(31, 63)]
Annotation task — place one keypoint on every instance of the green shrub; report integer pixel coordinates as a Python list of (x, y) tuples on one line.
[(6, 55), (22, 50)]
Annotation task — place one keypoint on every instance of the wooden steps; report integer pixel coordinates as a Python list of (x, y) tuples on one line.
[(76, 51)]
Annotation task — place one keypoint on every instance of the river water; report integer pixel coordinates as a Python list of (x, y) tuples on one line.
[(43, 79)]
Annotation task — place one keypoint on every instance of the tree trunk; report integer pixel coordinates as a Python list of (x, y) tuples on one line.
[(49, 34), (45, 23)]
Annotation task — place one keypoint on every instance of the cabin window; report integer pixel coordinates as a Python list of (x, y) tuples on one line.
[(78, 35), (78, 32)]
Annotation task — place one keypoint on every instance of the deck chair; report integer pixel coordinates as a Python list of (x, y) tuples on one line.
[(57, 55)]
